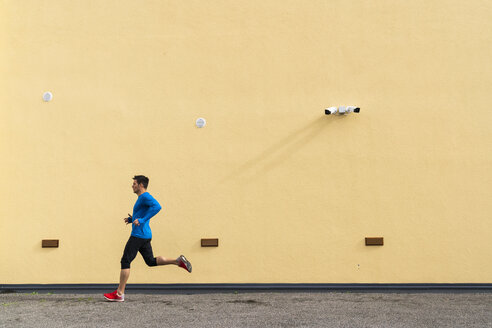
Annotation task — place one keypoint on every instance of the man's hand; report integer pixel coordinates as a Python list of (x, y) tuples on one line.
[(127, 220), (135, 222)]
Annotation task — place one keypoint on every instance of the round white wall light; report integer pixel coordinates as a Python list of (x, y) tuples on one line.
[(200, 123), (47, 96)]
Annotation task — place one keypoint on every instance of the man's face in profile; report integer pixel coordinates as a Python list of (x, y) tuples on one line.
[(136, 187)]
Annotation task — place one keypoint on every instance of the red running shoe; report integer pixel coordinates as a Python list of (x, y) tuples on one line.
[(184, 263), (113, 297)]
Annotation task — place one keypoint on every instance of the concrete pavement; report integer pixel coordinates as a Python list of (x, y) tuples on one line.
[(324, 309)]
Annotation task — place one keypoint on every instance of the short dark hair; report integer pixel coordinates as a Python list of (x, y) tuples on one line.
[(142, 179)]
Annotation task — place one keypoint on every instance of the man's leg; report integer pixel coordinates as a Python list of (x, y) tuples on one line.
[(148, 255), (181, 261), (124, 274), (131, 250), (163, 261)]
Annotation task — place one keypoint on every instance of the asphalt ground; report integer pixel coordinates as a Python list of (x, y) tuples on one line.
[(267, 309)]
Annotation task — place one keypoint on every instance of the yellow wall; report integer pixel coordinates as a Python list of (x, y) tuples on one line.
[(290, 193)]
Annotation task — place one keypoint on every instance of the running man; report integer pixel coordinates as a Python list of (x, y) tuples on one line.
[(145, 208)]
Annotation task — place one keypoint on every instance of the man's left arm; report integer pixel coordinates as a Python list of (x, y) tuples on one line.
[(153, 208)]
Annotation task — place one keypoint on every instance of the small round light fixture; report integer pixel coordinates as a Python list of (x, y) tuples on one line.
[(47, 96), (200, 123)]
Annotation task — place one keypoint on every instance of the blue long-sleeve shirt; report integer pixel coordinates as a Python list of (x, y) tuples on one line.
[(145, 208)]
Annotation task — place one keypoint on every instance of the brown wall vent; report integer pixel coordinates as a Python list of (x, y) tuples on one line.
[(50, 243), (374, 241), (210, 242)]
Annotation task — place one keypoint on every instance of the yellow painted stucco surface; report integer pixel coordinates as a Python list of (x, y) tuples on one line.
[(290, 192)]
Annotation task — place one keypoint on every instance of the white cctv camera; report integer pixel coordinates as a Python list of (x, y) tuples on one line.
[(342, 110), (331, 110), (353, 109)]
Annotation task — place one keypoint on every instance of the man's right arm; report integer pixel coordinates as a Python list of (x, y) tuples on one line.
[(129, 219)]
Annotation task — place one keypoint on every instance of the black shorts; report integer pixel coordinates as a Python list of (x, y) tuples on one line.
[(135, 245)]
